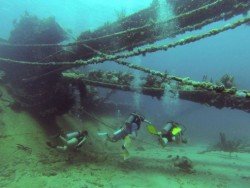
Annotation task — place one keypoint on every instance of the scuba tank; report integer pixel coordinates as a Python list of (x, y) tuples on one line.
[(130, 119), (134, 118)]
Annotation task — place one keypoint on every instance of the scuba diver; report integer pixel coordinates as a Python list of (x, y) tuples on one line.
[(171, 132), (72, 140), (127, 132)]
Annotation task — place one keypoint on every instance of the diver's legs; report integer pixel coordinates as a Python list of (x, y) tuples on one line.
[(64, 140), (163, 141), (67, 143), (118, 135), (111, 138), (125, 153), (71, 142), (62, 148), (127, 143)]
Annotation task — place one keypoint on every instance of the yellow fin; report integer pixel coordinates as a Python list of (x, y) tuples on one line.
[(152, 129), (125, 154), (127, 141)]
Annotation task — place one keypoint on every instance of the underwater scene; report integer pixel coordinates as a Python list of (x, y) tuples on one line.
[(124, 93)]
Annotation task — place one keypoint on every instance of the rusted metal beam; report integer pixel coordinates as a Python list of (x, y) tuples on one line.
[(156, 88)]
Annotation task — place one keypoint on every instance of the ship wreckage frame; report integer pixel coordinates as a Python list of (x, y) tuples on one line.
[(40, 73)]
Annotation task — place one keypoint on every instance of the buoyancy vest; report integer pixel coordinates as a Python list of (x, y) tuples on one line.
[(174, 131), (134, 118)]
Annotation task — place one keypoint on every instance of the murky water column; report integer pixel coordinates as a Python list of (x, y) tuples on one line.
[(164, 13), (171, 99), (77, 102), (164, 10), (137, 83)]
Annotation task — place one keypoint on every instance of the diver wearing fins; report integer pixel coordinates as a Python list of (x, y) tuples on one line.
[(127, 132), (171, 132), (72, 140)]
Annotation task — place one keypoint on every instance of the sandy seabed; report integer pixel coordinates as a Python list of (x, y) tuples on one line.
[(26, 161)]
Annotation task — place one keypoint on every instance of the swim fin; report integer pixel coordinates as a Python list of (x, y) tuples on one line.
[(127, 141), (152, 129), (125, 154)]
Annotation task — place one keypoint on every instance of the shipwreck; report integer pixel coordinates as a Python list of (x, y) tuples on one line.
[(39, 70)]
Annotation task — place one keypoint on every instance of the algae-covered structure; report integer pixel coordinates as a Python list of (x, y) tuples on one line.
[(38, 66)]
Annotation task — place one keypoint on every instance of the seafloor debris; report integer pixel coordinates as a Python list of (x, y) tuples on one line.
[(226, 145), (245, 177), (24, 148), (140, 148), (184, 164)]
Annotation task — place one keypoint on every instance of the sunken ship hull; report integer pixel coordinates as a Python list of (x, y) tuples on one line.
[(42, 89)]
